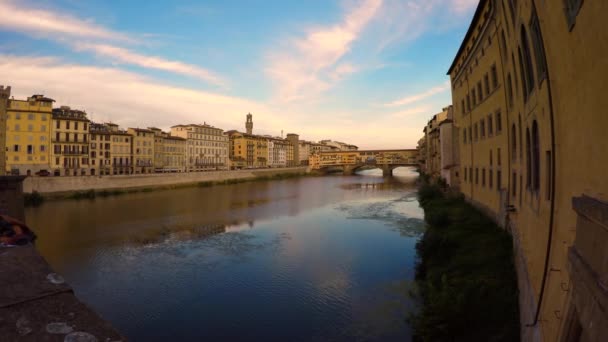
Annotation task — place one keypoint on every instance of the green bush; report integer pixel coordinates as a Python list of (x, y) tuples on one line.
[(465, 274), (33, 200)]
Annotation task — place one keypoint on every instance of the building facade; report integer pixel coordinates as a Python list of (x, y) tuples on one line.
[(527, 90), (247, 151), (293, 149), (69, 142), (28, 134), (143, 150), (305, 149), (110, 150), (277, 152), (174, 154), (207, 146)]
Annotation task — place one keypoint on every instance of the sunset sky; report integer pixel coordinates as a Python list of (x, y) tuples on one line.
[(367, 72)]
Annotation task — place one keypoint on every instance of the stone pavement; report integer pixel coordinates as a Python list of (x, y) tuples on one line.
[(37, 305)]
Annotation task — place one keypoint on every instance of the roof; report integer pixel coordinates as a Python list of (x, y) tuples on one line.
[(141, 130), (470, 31), (171, 137)]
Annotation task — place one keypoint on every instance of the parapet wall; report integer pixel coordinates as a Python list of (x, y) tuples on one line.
[(47, 185)]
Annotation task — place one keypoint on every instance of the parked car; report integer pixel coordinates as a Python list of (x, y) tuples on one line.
[(43, 173)]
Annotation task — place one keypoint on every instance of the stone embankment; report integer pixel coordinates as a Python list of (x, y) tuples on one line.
[(66, 185)]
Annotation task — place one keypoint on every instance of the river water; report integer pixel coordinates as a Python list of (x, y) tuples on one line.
[(309, 259)]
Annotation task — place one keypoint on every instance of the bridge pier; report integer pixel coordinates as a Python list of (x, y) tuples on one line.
[(348, 170), (387, 171)]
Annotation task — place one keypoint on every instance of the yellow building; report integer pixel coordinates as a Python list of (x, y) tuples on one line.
[(110, 150), (143, 150), (527, 88), (174, 154), (69, 142), (159, 149), (28, 130), (247, 151), (5, 93)]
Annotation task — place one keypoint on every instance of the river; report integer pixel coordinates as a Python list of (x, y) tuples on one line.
[(305, 259)]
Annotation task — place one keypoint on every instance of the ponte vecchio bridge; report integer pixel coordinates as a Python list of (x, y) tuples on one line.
[(351, 161)]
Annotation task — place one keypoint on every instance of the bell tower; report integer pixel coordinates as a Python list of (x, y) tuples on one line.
[(249, 124)]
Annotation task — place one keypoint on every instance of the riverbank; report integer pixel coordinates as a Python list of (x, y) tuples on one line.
[(465, 274), (37, 189)]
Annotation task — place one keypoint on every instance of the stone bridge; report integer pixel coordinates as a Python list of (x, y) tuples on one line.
[(351, 161)]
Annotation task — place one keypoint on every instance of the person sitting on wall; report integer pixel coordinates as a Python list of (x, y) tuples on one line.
[(14, 232)]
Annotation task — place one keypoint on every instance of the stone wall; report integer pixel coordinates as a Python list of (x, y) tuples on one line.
[(48, 185)]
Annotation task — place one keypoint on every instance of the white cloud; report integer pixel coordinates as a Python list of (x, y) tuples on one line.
[(127, 98), (130, 57), (420, 96), (86, 35), (308, 65), (48, 24)]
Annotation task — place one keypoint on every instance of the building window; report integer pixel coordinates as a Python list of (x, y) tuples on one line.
[(503, 44), (572, 7), (498, 180), (486, 84), (513, 143), (476, 131), (468, 103), (514, 185), (462, 109), (491, 161), (482, 128), (549, 176), (490, 178), (67, 125), (539, 48), (479, 91), (483, 177), (42, 148), (498, 161), (465, 174), (474, 97), (30, 149), (498, 116), (476, 176), (15, 148), (76, 125), (528, 160), (494, 76), (490, 125), (535, 157), (527, 62), (509, 91)]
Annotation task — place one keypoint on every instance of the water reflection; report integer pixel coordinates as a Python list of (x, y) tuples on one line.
[(301, 259)]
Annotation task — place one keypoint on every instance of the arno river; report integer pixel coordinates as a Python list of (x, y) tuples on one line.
[(314, 258)]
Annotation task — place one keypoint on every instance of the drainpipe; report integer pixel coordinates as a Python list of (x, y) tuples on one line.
[(553, 170)]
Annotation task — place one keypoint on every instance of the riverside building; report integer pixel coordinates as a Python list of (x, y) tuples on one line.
[(143, 150), (28, 134), (110, 150), (69, 142), (207, 146), (528, 91)]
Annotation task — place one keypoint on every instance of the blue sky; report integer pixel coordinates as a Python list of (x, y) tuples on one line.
[(368, 72)]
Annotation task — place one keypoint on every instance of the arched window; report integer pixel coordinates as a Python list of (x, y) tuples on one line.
[(535, 157), (528, 160), (529, 73), (510, 90), (522, 75), (513, 142)]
